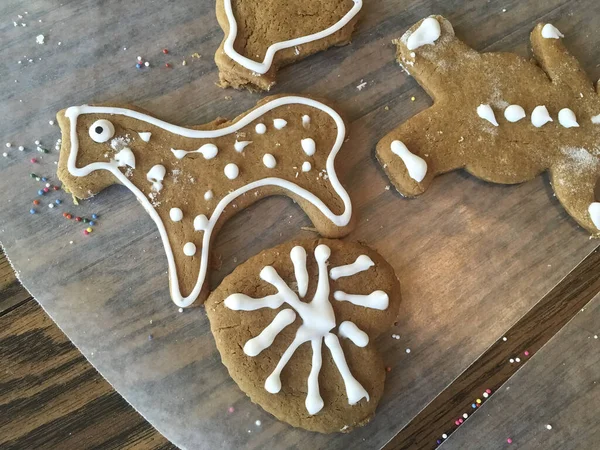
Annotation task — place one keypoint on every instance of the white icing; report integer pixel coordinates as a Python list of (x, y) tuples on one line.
[(375, 300), (428, 32), (200, 222), (362, 263), (101, 130), (596, 120), (514, 113), (567, 119), (269, 161), (156, 175), (486, 112), (551, 32), (540, 116), (279, 123), (349, 330), (265, 65), (145, 136), (241, 145), (306, 121), (594, 211), (260, 128), (318, 319), (306, 166), (309, 146), (415, 165), (176, 214), (338, 220), (125, 157), (298, 257), (231, 171), (189, 249), (208, 195), (209, 151)]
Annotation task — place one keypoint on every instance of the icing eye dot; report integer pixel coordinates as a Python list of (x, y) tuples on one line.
[(102, 130)]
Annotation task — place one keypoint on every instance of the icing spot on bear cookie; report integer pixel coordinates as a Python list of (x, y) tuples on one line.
[(269, 161), (176, 214), (231, 171), (279, 123), (415, 165), (208, 195), (306, 166), (209, 151), (540, 116), (551, 32), (189, 249), (594, 211), (596, 120), (200, 222), (514, 113), (260, 128), (306, 121), (487, 113), (241, 145), (567, 118), (156, 175), (125, 157), (145, 136), (309, 146), (428, 32)]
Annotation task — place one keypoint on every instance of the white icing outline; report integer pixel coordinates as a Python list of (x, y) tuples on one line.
[(264, 66), (339, 220)]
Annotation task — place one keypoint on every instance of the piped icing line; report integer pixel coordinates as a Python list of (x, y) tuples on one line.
[(209, 151), (318, 319), (376, 300), (298, 257), (339, 220), (264, 66), (415, 165), (362, 263)]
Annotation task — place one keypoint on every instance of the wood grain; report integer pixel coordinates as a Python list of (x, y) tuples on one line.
[(473, 258)]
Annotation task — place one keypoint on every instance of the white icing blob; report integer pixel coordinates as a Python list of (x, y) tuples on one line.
[(269, 161), (540, 116), (594, 211), (200, 222), (428, 32), (189, 249), (279, 123), (306, 121), (551, 32), (309, 146), (209, 151), (176, 214), (125, 158), (415, 165), (298, 257), (375, 300), (101, 131), (596, 120), (145, 136), (486, 112), (349, 330), (156, 175), (241, 145), (265, 339), (362, 263), (231, 171), (567, 119), (260, 128), (208, 195), (514, 113), (306, 166)]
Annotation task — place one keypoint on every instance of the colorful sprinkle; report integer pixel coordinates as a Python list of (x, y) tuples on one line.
[(94, 216), (388, 369), (46, 190), (33, 160), (51, 205), (56, 188), (138, 65), (92, 223), (548, 427), (86, 232), (509, 440), (40, 192), (32, 211), (478, 401), (489, 391), (36, 202), (33, 175), (78, 219), (231, 409), (58, 201), (526, 353), (89, 229), (165, 51)]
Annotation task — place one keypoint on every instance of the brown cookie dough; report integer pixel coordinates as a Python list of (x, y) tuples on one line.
[(343, 313), (262, 36), (191, 181), (501, 117)]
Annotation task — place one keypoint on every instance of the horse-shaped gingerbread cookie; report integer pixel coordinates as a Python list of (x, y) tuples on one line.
[(501, 117), (191, 180)]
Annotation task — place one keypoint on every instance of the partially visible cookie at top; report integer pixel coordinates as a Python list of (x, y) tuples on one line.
[(296, 325), (501, 117), (262, 36)]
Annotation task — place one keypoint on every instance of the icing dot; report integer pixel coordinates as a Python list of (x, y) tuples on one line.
[(258, 423), (101, 131), (428, 32), (540, 116), (145, 136), (176, 214), (567, 119), (269, 161), (415, 165), (306, 166), (260, 128), (208, 195), (200, 222), (306, 121), (594, 211), (486, 112), (232, 171), (156, 175), (241, 145), (279, 123), (514, 113), (189, 249), (551, 32), (595, 121), (309, 146)]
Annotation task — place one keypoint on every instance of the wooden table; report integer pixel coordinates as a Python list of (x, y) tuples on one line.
[(477, 262)]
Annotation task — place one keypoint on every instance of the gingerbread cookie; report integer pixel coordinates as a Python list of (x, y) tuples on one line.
[(191, 180), (295, 327), (262, 36), (501, 117)]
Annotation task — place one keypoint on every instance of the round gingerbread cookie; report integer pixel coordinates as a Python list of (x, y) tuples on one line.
[(296, 327)]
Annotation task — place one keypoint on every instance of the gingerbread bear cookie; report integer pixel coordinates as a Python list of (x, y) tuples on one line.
[(295, 327), (501, 117), (262, 36), (191, 180)]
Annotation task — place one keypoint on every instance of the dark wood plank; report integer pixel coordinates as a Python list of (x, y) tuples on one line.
[(12, 292), (51, 397)]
